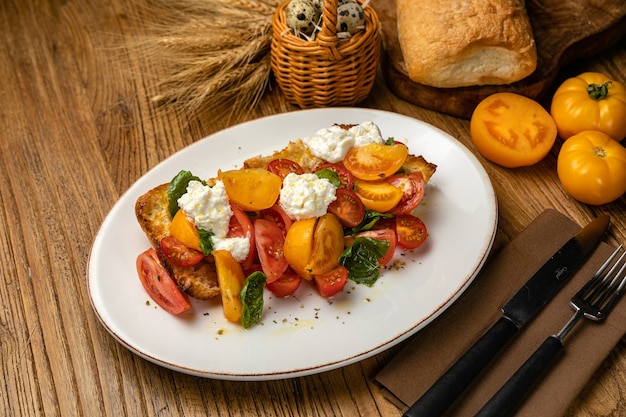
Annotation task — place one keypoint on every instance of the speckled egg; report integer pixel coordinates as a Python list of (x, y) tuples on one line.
[(302, 16), (350, 18)]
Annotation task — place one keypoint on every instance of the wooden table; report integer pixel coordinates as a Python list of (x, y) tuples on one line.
[(77, 130)]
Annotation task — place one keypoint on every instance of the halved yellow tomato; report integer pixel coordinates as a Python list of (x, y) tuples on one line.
[(327, 245), (230, 278), (378, 196), (184, 231), (375, 161), (252, 189), (298, 246)]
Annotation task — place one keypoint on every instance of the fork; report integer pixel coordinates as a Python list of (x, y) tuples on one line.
[(594, 301)]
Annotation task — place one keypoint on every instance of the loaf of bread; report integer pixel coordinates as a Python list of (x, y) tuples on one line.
[(459, 43)]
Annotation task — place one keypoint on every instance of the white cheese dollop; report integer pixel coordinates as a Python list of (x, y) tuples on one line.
[(208, 209), (306, 196), (333, 143)]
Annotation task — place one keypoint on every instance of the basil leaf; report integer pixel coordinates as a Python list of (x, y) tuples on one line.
[(370, 219), (252, 299), (178, 187), (206, 241), (361, 259), (330, 175)]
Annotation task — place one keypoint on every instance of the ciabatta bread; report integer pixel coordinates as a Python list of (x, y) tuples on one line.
[(460, 43)]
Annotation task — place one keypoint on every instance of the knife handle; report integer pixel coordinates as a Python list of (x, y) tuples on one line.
[(452, 384), (506, 401)]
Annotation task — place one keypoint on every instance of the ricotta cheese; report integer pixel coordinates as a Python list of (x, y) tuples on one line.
[(208, 209), (306, 196), (333, 143)]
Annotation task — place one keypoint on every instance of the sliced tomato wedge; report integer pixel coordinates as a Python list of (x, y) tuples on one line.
[(159, 284), (332, 282), (348, 207), (286, 285), (241, 226), (179, 254), (412, 186), (379, 196), (383, 234), (346, 179), (375, 161), (270, 241), (411, 231), (283, 167), (277, 214)]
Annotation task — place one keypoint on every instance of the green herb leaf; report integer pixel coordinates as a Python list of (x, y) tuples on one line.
[(178, 187), (206, 241), (370, 219), (361, 259), (252, 299), (330, 175)]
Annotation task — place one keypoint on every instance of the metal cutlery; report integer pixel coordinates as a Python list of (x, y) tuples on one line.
[(594, 301)]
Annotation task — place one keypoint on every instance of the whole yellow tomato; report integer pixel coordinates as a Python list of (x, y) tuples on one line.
[(512, 130), (592, 167), (590, 101)]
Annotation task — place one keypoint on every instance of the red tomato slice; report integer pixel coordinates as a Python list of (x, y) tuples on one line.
[(159, 284), (241, 226), (269, 243), (412, 186), (283, 167), (179, 254), (383, 234), (278, 216), (332, 282), (411, 231), (346, 179), (348, 207), (285, 285)]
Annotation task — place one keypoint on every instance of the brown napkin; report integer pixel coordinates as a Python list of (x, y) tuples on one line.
[(430, 352)]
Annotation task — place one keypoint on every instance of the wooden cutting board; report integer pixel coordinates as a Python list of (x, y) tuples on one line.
[(565, 31)]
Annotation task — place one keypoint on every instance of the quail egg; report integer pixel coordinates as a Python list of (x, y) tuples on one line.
[(350, 18), (302, 16)]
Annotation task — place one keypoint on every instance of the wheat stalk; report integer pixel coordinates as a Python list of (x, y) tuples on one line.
[(212, 54)]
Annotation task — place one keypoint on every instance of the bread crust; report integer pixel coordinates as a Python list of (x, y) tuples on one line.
[(152, 212), (459, 43)]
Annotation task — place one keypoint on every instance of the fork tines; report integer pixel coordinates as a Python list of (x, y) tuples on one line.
[(599, 295)]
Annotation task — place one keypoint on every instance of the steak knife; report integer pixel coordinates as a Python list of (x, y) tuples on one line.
[(518, 311)]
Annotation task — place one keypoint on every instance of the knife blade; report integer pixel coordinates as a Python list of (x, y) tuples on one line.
[(517, 312)]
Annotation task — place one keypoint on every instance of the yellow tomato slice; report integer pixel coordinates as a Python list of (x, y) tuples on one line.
[(252, 189), (375, 161), (328, 244), (379, 196), (184, 231), (230, 278), (512, 130), (298, 246)]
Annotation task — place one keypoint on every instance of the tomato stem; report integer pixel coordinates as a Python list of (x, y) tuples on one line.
[(599, 151), (598, 91)]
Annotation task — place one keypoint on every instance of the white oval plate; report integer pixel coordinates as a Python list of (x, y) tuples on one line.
[(304, 334)]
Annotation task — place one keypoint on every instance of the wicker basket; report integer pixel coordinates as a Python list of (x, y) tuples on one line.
[(325, 71)]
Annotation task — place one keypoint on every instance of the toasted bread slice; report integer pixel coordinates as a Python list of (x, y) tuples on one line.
[(152, 212)]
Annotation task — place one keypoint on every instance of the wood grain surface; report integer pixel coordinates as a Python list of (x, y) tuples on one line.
[(564, 31), (77, 129)]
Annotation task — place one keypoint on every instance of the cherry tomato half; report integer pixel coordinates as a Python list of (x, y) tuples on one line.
[(179, 254), (410, 230), (332, 282), (159, 284), (285, 285), (348, 207), (277, 214), (379, 196), (270, 248), (375, 161), (282, 167), (412, 186), (346, 179)]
